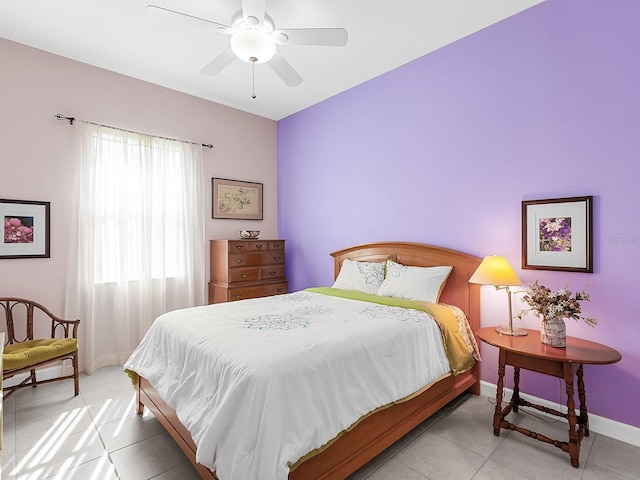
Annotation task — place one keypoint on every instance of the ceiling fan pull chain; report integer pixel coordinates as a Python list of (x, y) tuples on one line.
[(253, 76)]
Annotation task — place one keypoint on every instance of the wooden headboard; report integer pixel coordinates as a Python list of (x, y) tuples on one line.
[(457, 291)]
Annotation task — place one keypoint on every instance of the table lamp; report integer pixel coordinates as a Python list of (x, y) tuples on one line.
[(495, 270)]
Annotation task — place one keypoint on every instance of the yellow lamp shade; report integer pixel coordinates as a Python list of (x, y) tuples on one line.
[(495, 270)]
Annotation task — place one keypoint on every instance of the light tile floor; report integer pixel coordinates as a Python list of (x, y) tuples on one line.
[(49, 434)]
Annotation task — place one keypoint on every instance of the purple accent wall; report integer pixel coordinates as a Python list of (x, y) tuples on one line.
[(443, 150)]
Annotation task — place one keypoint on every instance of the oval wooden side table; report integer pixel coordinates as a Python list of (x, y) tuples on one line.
[(566, 363)]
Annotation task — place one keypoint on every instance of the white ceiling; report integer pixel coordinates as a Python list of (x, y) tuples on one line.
[(118, 35)]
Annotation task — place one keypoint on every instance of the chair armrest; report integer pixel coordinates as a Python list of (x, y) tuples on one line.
[(66, 326)]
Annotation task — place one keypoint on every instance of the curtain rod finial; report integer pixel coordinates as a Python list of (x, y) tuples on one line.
[(59, 116)]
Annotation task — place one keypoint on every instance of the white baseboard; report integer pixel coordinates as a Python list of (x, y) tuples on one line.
[(610, 428)]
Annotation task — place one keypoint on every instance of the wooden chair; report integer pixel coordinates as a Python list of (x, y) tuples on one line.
[(23, 352)]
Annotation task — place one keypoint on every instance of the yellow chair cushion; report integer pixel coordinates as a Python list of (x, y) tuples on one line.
[(31, 352)]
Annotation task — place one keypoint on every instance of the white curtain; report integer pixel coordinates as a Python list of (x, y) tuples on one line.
[(137, 246)]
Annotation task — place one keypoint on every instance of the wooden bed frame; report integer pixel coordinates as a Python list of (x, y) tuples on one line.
[(356, 447)]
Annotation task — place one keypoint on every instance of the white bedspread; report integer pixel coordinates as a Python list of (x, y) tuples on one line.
[(259, 383)]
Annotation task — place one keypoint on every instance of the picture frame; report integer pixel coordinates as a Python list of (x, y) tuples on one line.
[(557, 234), (26, 227), (236, 199)]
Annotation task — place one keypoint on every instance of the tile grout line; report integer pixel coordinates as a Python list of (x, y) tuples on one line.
[(102, 442)]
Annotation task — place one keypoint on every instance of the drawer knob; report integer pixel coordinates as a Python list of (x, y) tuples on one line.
[(272, 273), (277, 259), (237, 295), (280, 290), (244, 275), (259, 246), (238, 260), (276, 246), (239, 247)]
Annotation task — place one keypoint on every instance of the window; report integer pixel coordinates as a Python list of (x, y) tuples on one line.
[(138, 208)]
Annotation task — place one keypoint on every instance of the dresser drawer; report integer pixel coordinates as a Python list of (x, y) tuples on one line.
[(254, 259), (252, 274), (255, 245), (249, 274), (275, 244), (245, 260), (276, 288), (271, 272), (255, 291)]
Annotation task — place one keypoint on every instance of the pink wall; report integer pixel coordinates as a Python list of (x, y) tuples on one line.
[(35, 148), (544, 104)]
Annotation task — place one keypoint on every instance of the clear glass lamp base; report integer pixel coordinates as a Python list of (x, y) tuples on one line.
[(514, 332)]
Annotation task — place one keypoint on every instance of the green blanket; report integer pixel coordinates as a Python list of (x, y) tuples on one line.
[(457, 352)]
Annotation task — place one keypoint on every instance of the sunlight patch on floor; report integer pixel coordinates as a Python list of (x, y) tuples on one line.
[(39, 461)]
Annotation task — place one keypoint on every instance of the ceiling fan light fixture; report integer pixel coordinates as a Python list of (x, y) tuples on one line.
[(252, 44), (254, 38)]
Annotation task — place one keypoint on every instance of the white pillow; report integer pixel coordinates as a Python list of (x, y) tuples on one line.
[(361, 276), (414, 283)]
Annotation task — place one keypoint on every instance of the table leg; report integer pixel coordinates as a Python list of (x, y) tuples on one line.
[(582, 396), (574, 439), (497, 416), (515, 399)]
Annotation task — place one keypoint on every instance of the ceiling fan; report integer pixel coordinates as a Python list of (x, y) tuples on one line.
[(254, 38)]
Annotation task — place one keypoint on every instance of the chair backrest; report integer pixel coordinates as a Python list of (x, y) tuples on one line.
[(20, 316)]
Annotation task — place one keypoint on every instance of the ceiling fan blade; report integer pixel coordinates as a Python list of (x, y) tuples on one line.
[(312, 36), (254, 8), (285, 71), (165, 13), (218, 64)]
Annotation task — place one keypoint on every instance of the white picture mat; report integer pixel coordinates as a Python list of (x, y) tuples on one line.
[(577, 257)]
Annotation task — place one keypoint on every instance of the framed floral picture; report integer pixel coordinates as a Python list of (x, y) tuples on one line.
[(236, 199), (26, 229), (557, 234)]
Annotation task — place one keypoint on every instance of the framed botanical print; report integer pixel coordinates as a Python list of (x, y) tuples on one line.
[(236, 199), (557, 234), (26, 229)]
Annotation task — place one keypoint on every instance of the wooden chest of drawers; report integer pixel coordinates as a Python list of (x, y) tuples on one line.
[(243, 269)]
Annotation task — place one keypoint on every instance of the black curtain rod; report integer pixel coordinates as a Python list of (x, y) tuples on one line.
[(59, 116)]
